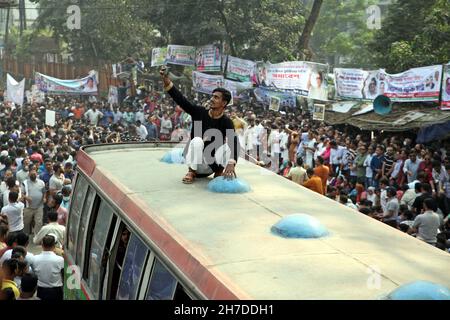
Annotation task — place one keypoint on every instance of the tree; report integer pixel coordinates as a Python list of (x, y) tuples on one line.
[(304, 48), (413, 35)]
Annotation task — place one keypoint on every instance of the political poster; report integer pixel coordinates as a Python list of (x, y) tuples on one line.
[(240, 69), (206, 83), (349, 83), (445, 100), (15, 90), (84, 86), (274, 103), (306, 78), (287, 99), (236, 87), (418, 84), (159, 56), (181, 55), (208, 59), (113, 95), (319, 112)]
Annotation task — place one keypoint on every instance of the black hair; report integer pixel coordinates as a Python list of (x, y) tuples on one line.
[(8, 294), (320, 160), (226, 95), (299, 162), (52, 216), (310, 171), (403, 227), (430, 204), (28, 283), (13, 196), (20, 251), (343, 198), (365, 211), (22, 239), (418, 186), (426, 187), (48, 241), (11, 182)]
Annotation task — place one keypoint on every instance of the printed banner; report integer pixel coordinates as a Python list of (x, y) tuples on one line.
[(206, 83), (181, 55), (159, 57), (418, 84), (306, 78), (274, 103), (236, 87), (240, 69), (319, 112), (84, 86), (15, 91), (349, 83), (113, 95), (287, 99), (445, 104), (208, 58)]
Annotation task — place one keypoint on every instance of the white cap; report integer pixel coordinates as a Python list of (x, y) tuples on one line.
[(4, 153)]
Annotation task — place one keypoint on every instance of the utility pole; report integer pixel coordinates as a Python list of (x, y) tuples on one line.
[(22, 16)]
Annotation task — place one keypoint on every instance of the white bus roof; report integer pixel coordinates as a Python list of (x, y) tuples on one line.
[(230, 234)]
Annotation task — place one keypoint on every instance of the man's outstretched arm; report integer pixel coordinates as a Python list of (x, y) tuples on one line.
[(177, 96)]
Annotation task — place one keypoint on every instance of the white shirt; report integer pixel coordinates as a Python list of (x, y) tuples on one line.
[(369, 171), (139, 116), (166, 126), (258, 132), (142, 131), (56, 182), (29, 258), (249, 138), (55, 228), (47, 267), (336, 155), (274, 142), (93, 116), (14, 212), (284, 137)]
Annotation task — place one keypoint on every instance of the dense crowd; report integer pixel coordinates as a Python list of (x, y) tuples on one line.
[(388, 178)]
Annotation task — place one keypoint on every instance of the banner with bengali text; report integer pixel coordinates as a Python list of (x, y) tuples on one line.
[(159, 57), (84, 86), (208, 59), (240, 69), (206, 83), (180, 55)]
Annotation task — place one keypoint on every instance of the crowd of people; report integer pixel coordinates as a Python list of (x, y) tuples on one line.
[(388, 178)]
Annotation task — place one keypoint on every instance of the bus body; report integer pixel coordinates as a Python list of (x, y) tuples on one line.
[(136, 232)]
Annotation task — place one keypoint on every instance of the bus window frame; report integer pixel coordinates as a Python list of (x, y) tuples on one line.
[(79, 261), (146, 275), (177, 281), (147, 254), (79, 178), (102, 205)]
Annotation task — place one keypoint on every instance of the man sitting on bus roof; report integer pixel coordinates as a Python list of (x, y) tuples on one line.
[(214, 146)]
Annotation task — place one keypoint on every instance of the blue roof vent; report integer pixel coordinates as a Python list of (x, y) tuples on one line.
[(420, 290), (174, 156), (299, 226), (222, 185)]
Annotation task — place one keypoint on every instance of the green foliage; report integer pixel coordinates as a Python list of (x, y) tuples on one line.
[(341, 31), (413, 35)]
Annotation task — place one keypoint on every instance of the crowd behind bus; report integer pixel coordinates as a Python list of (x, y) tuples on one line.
[(388, 178)]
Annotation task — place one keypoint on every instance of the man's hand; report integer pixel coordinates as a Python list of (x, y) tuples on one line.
[(229, 173), (165, 76)]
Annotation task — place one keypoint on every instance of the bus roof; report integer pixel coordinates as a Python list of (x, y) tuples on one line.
[(224, 240)]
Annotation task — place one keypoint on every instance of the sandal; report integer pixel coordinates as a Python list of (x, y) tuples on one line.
[(189, 178)]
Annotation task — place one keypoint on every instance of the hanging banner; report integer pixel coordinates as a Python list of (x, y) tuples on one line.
[(206, 83), (445, 103), (418, 84), (159, 56), (319, 112), (181, 55), (36, 95), (84, 86), (306, 78), (240, 69), (15, 90), (263, 95), (274, 103), (113, 95), (349, 83), (208, 59), (236, 88)]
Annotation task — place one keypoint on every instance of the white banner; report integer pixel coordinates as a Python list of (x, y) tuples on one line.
[(15, 90), (159, 56), (206, 83), (418, 84), (240, 69), (208, 58), (181, 55), (445, 104), (236, 87), (309, 79), (113, 95), (50, 118)]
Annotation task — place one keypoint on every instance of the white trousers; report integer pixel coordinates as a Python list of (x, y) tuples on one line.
[(196, 160)]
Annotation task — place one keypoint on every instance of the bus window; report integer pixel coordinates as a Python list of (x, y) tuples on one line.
[(96, 261), (181, 295), (81, 241), (133, 265), (117, 260), (162, 284), (75, 212)]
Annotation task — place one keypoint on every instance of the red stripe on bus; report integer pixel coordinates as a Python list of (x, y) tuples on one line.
[(204, 279)]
